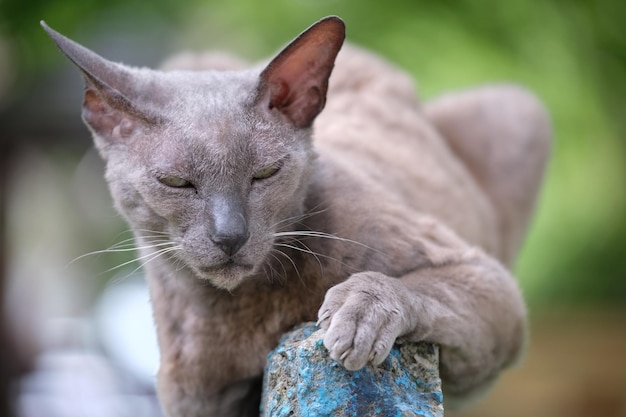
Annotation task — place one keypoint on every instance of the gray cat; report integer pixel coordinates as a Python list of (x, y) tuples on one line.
[(380, 217)]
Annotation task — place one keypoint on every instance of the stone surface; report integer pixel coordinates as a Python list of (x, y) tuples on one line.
[(301, 380)]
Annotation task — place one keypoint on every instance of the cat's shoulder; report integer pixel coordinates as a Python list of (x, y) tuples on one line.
[(362, 71)]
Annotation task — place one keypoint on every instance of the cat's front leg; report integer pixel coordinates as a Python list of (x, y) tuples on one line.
[(469, 305)]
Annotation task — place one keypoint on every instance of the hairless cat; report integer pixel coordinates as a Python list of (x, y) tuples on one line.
[(379, 217)]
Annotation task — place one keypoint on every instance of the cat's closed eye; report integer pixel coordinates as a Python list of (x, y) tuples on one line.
[(267, 171), (174, 181)]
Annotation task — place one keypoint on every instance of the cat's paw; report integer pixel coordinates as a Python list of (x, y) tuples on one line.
[(362, 317)]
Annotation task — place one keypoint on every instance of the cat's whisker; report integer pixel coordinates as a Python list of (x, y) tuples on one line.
[(155, 235), (125, 232), (117, 248), (179, 265), (282, 265), (316, 254), (323, 235), (297, 237), (156, 232), (156, 238), (129, 247), (129, 241), (149, 256), (295, 267), (309, 251), (296, 219), (144, 234), (272, 270), (156, 255)]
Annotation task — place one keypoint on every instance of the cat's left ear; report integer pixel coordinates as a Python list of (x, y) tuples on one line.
[(296, 81), (108, 107)]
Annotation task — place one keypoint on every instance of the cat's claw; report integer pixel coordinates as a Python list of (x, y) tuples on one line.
[(324, 316)]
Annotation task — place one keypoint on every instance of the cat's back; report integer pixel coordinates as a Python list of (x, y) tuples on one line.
[(373, 124)]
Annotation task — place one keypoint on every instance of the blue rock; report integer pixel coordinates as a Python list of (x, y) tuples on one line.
[(301, 380)]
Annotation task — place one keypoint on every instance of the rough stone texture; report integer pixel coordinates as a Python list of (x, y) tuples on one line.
[(301, 380)]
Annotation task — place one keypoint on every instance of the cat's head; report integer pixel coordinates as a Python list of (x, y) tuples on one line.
[(217, 161)]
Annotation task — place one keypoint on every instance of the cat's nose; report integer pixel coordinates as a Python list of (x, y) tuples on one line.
[(230, 243), (229, 231)]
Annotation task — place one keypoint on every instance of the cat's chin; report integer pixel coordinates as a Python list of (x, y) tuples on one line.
[(227, 276)]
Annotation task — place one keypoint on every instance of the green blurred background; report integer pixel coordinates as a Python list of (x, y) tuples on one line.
[(571, 53)]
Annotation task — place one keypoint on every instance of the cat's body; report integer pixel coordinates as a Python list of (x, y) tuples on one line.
[(394, 208)]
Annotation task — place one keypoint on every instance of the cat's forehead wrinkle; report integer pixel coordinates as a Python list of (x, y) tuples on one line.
[(191, 96), (209, 90)]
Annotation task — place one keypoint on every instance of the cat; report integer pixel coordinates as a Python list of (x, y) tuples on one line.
[(379, 217)]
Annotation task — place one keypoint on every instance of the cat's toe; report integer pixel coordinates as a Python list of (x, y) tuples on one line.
[(380, 353), (355, 360), (339, 340)]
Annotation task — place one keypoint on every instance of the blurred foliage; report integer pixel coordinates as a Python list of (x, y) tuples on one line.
[(572, 53)]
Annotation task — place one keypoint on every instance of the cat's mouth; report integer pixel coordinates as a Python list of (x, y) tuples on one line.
[(227, 265), (226, 275)]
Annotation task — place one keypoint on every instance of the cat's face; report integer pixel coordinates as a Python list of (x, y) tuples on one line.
[(219, 175), (214, 163)]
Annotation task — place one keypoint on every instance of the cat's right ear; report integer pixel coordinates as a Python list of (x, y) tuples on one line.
[(107, 106), (295, 81)]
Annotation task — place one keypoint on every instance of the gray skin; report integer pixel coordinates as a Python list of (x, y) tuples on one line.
[(380, 218)]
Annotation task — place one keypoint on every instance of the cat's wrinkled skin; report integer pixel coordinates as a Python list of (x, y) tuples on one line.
[(401, 222)]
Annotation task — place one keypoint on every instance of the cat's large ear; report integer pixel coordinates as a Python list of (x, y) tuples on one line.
[(107, 108), (296, 80)]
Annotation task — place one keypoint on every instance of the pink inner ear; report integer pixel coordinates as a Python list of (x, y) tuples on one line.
[(295, 82), (103, 118), (279, 94)]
